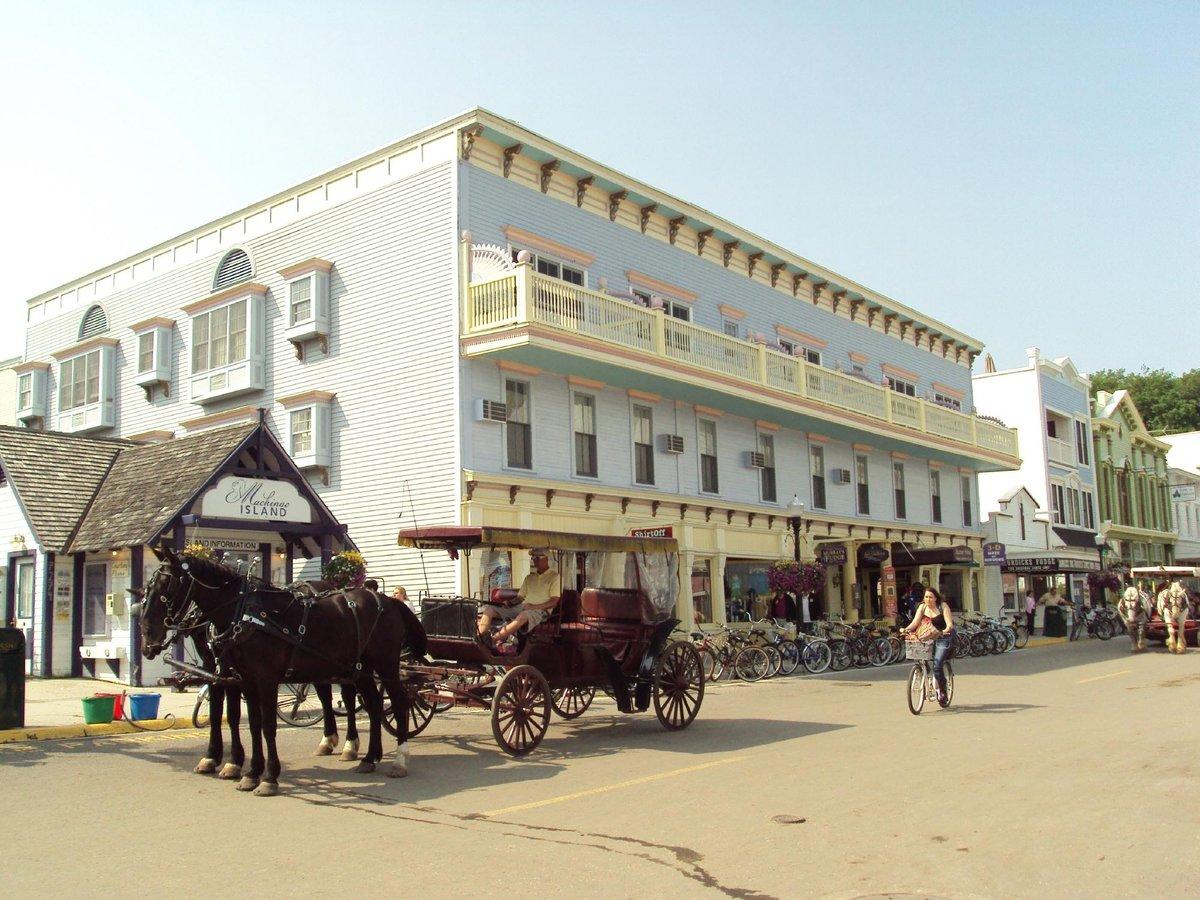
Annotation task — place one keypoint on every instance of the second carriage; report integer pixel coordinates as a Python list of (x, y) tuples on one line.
[(610, 631)]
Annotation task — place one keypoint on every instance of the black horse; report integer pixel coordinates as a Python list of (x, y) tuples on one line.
[(267, 636)]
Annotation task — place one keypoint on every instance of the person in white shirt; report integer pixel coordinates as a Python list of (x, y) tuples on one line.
[(539, 594)]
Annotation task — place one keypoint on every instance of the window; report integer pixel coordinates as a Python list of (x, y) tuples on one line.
[(552, 268), (23, 586), (25, 391), (79, 381), (1021, 509), (766, 475), (643, 444), (219, 337), (816, 461), (677, 310), (935, 494), (730, 328), (235, 268), (300, 300), (863, 489), (583, 413), (301, 429), (968, 519), (1082, 452), (145, 351), (1058, 503), (787, 347), (898, 489), (708, 456), (1073, 512), (307, 312), (94, 322), (901, 386), (1124, 508), (812, 356), (1089, 511), (947, 401), (95, 607), (517, 433)]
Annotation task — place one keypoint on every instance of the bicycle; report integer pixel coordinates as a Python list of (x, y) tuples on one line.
[(922, 685)]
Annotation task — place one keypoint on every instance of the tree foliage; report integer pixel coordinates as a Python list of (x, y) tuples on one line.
[(1166, 401)]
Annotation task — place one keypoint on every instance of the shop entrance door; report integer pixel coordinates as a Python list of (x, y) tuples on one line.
[(950, 584), (95, 600), (23, 578)]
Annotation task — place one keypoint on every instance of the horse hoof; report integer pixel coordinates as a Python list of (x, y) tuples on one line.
[(206, 766), (397, 771), (364, 767), (350, 750), (230, 772), (266, 789), (327, 746), (247, 783)]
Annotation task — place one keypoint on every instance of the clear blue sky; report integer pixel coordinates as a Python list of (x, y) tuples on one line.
[(1025, 172)]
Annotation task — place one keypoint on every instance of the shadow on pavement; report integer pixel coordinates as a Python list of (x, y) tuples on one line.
[(993, 708)]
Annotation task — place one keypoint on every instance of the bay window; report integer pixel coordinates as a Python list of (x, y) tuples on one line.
[(87, 386), (309, 427), (153, 361), (227, 343), (307, 303)]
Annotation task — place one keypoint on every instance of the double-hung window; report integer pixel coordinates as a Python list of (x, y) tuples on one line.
[(862, 481), (708, 456), (219, 337), (79, 381), (553, 268), (310, 426), (766, 476), (518, 436), (643, 444), (583, 415), (25, 391), (816, 463), (813, 357), (145, 351), (731, 328), (900, 386), (935, 494), (898, 489), (1082, 443), (301, 429), (1058, 503), (1089, 511), (968, 518)]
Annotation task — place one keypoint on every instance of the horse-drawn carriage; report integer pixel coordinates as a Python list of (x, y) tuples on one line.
[(609, 630)]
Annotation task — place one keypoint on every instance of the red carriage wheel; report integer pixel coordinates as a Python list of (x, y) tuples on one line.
[(572, 702), (678, 685), (521, 710)]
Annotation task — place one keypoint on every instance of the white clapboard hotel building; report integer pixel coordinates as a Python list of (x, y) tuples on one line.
[(478, 325)]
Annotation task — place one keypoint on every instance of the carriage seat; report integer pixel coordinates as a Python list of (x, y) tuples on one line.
[(626, 605), (504, 596)]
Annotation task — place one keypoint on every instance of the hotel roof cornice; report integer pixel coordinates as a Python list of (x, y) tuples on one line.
[(553, 158)]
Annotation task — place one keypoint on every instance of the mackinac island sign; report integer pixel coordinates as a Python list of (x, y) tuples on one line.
[(255, 499)]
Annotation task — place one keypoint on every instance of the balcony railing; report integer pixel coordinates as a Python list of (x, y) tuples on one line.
[(1060, 452), (525, 297)]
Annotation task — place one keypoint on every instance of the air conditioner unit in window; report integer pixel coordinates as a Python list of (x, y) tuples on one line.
[(672, 443), (840, 476), (490, 411), (755, 460)]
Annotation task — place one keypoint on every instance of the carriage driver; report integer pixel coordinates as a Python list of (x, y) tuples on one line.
[(538, 596)]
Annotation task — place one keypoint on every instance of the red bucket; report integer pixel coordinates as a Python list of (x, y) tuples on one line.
[(118, 712)]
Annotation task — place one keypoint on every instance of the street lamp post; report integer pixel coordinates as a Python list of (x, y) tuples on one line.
[(795, 517), (1101, 546)]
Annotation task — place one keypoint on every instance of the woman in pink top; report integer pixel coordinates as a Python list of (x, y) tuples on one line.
[(1030, 610)]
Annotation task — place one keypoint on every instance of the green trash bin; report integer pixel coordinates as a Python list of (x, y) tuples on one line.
[(1054, 623), (12, 678)]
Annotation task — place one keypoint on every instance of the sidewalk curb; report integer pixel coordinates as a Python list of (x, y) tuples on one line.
[(66, 732), (1045, 641)]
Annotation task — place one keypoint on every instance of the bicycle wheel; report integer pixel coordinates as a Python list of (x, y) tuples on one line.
[(962, 644), (789, 651), (1104, 629), (896, 646), (1021, 637), (978, 648), (841, 655), (816, 656), (774, 660), (1010, 638), (879, 651), (916, 689), (298, 705), (722, 662), (708, 662), (948, 695), (200, 718), (751, 664)]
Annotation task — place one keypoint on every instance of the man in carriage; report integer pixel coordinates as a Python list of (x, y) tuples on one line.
[(537, 597)]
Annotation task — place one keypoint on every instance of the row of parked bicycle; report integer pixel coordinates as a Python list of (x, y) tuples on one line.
[(772, 647)]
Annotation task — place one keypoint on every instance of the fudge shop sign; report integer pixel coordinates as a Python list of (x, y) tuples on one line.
[(255, 499)]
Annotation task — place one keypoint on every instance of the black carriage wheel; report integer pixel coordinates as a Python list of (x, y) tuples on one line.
[(420, 714), (678, 685), (521, 710), (572, 702)]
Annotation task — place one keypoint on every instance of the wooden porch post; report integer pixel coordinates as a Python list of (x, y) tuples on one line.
[(136, 583), (47, 648), (77, 616)]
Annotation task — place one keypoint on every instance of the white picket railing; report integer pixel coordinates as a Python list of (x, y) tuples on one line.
[(525, 297)]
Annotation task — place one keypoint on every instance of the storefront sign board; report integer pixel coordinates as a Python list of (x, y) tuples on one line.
[(255, 499), (874, 553), (1182, 493), (1049, 565), (832, 554), (994, 553), (663, 531)]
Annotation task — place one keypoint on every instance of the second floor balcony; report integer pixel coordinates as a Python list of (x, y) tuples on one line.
[(547, 322)]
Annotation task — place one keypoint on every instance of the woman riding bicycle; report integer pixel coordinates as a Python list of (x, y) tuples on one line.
[(934, 621)]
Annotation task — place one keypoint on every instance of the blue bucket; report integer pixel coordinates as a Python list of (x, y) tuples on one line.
[(143, 706)]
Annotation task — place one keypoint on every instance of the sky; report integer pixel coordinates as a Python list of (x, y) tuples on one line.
[(1026, 173)]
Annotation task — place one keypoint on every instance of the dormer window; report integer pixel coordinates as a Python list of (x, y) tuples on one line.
[(309, 421), (153, 364), (307, 311), (227, 343), (87, 386), (32, 378)]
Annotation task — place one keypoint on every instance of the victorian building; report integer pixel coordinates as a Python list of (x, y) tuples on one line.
[(479, 325)]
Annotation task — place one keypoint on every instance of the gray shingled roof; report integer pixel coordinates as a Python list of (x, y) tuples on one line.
[(55, 476), (149, 484)]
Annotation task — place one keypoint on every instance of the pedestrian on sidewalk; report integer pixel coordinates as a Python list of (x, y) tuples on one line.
[(1030, 610)]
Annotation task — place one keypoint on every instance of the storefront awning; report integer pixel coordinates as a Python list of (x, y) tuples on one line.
[(1073, 537), (907, 555)]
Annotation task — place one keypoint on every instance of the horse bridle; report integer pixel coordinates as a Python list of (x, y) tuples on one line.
[(186, 617)]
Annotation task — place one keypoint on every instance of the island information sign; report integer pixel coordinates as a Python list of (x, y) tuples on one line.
[(255, 499)]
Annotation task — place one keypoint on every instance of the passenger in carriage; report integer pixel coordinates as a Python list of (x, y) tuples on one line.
[(537, 597)]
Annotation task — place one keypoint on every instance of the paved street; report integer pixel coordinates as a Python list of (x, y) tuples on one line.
[(1059, 772)]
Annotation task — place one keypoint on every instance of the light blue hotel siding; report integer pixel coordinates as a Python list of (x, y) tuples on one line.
[(490, 203), (1069, 399)]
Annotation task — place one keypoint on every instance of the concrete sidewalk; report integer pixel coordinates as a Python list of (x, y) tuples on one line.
[(53, 709)]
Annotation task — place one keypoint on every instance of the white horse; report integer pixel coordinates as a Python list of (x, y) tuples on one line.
[(1173, 608), (1133, 613)]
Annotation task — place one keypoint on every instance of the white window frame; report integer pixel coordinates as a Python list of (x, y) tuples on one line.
[(528, 423), (309, 430), (733, 328), (313, 273), (816, 470), (209, 366), (862, 479), (96, 410), (537, 256), (701, 423), (594, 435), (318, 405), (68, 377), (766, 446), (33, 393), (24, 391), (936, 510), (158, 333), (24, 564), (966, 501), (899, 490), (212, 380), (811, 356), (1083, 442), (634, 442), (900, 386)]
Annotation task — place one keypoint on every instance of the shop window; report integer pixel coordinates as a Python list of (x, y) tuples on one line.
[(898, 490), (935, 494), (766, 475), (95, 605), (23, 580), (583, 414), (708, 456), (702, 591), (643, 444), (863, 485), (816, 461), (518, 434)]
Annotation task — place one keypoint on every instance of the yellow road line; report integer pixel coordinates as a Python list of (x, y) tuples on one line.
[(613, 787), (1109, 675)]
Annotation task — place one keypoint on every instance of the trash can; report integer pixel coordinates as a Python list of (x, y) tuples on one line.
[(1054, 622), (12, 678)]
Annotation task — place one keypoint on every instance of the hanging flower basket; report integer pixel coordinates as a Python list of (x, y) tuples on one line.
[(1109, 579), (796, 578), (199, 550), (347, 569)]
